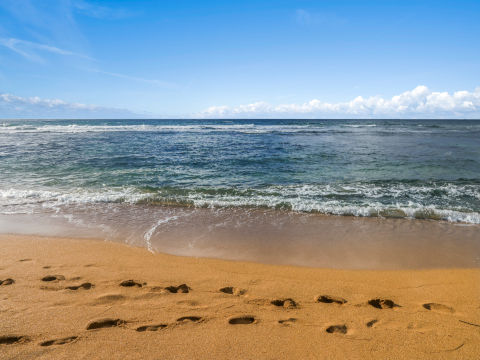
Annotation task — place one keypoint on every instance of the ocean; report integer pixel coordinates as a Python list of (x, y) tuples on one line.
[(137, 178)]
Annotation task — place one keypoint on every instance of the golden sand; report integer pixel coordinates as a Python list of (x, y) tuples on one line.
[(72, 298)]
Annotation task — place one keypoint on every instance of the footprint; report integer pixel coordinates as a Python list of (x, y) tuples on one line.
[(130, 283), (287, 322), (7, 282), (338, 329), (438, 307), (12, 339), (151, 327), (189, 318), (85, 286), (382, 303), (371, 323), (53, 278), (105, 323), (59, 341), (327, 299), (285, 303), (188, 302), (108, 298), (242, 320), (183, 288), (232, 290)]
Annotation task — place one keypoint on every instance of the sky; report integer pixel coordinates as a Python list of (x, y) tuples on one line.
[(239, 59)]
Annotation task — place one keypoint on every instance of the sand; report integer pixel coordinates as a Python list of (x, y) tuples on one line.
[(77, 298)]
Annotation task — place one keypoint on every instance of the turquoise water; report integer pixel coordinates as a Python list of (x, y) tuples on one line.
[(371, 168)]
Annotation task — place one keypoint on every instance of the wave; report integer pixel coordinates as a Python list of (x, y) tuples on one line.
[(235, 128), (454, 202)]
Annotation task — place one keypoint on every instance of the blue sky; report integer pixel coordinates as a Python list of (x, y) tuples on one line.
[(85, 58)]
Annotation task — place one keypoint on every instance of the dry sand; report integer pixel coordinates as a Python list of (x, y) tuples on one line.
[(67, 301)]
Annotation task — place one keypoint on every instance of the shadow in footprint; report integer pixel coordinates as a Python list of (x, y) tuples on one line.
[(242, 320), (12, 339), (371, 323), (151, 327), (287, 322), (189, 318), (382, 303), (438, 307), (7, 282), (338, 329), (130, 283), (105, 323), (232, 290), (327, 299), (53, 278), (85, 286), (183, 288), (285, 303), (59, 341)]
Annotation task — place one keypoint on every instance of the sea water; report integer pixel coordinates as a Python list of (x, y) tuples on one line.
[(138, 178)]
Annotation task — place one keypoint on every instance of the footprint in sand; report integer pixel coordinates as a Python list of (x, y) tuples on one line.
[(337, 329), (241, 320), (151, 327), (232, 290), (61, 341), (438, 308), (189, 318), (287, 322), (84, 286), (183, 288), (371, 322), (105, 323), (49, 278), (108, 298), (13, 339), (327, 299), (285, 303), (382, 303), (7, 282), (131, 283)]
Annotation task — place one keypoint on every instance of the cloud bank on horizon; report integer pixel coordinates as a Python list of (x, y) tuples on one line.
[(417, 103), (17, 107)]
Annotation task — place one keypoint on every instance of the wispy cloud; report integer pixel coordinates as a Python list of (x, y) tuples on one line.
[(417, 103), (30, 50), (12, 106), (137, 79), (100, 11)]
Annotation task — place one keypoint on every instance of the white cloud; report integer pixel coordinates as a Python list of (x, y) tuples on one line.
[(12, 106), (161, 83), (100, 11), (29, 49), (417, 103)]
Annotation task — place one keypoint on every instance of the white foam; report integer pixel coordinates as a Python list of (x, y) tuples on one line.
[(148, 235), (338, 199)]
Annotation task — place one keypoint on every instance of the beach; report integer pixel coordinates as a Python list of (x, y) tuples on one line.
[(87, 298)]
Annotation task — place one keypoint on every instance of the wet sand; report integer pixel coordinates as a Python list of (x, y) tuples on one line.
[(266, 236), (78, 298)]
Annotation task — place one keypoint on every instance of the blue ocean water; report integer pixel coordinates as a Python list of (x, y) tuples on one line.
[(372, 168)]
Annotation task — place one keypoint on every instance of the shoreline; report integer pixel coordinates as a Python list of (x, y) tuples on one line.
[(268, 237), (272, 309)]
